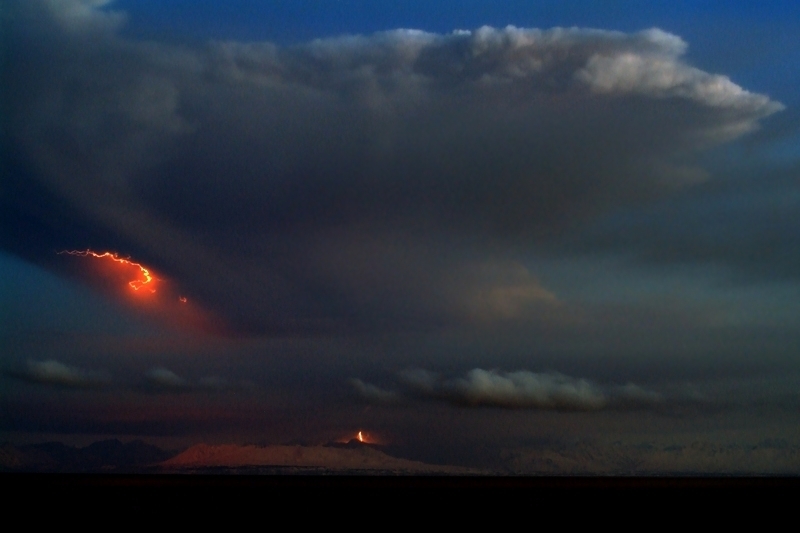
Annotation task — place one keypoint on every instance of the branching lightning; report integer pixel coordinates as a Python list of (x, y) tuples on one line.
[(146, 277)]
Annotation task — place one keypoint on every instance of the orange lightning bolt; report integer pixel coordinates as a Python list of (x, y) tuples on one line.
[(146, 277)]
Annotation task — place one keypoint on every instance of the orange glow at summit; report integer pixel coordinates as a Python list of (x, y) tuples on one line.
[(362, 437)]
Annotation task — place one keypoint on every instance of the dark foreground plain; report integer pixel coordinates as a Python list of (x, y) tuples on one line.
[(348, 496)]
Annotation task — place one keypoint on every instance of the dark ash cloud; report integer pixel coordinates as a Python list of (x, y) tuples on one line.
[(57, 374), (748, 223), (352, 183)]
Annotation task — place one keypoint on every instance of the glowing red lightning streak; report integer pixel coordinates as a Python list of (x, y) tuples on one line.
[(135, 284)]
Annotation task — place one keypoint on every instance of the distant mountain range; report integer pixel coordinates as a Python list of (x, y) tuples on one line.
[(103, 456), (582, 458), (352, 457), (112, 456), (768, 457)]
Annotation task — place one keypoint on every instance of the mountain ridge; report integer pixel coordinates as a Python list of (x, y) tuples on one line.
[(345, 457)]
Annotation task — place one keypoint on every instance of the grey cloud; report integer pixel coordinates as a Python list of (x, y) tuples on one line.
[(658, 74), (58, 374), (515, 390), (747, 225), (373, 393), (498, 291), (632, 394), (524, 389), (419, 380), (79, 16), (350, 182), (164, 379)]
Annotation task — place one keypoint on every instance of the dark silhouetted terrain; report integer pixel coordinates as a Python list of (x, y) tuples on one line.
[(103, 456), (697, 458)]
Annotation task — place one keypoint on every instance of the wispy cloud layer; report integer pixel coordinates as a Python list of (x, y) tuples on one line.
[(373, 393), (511, 390), (55, 373), (524, 389), (160, 379), (164, 379)]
